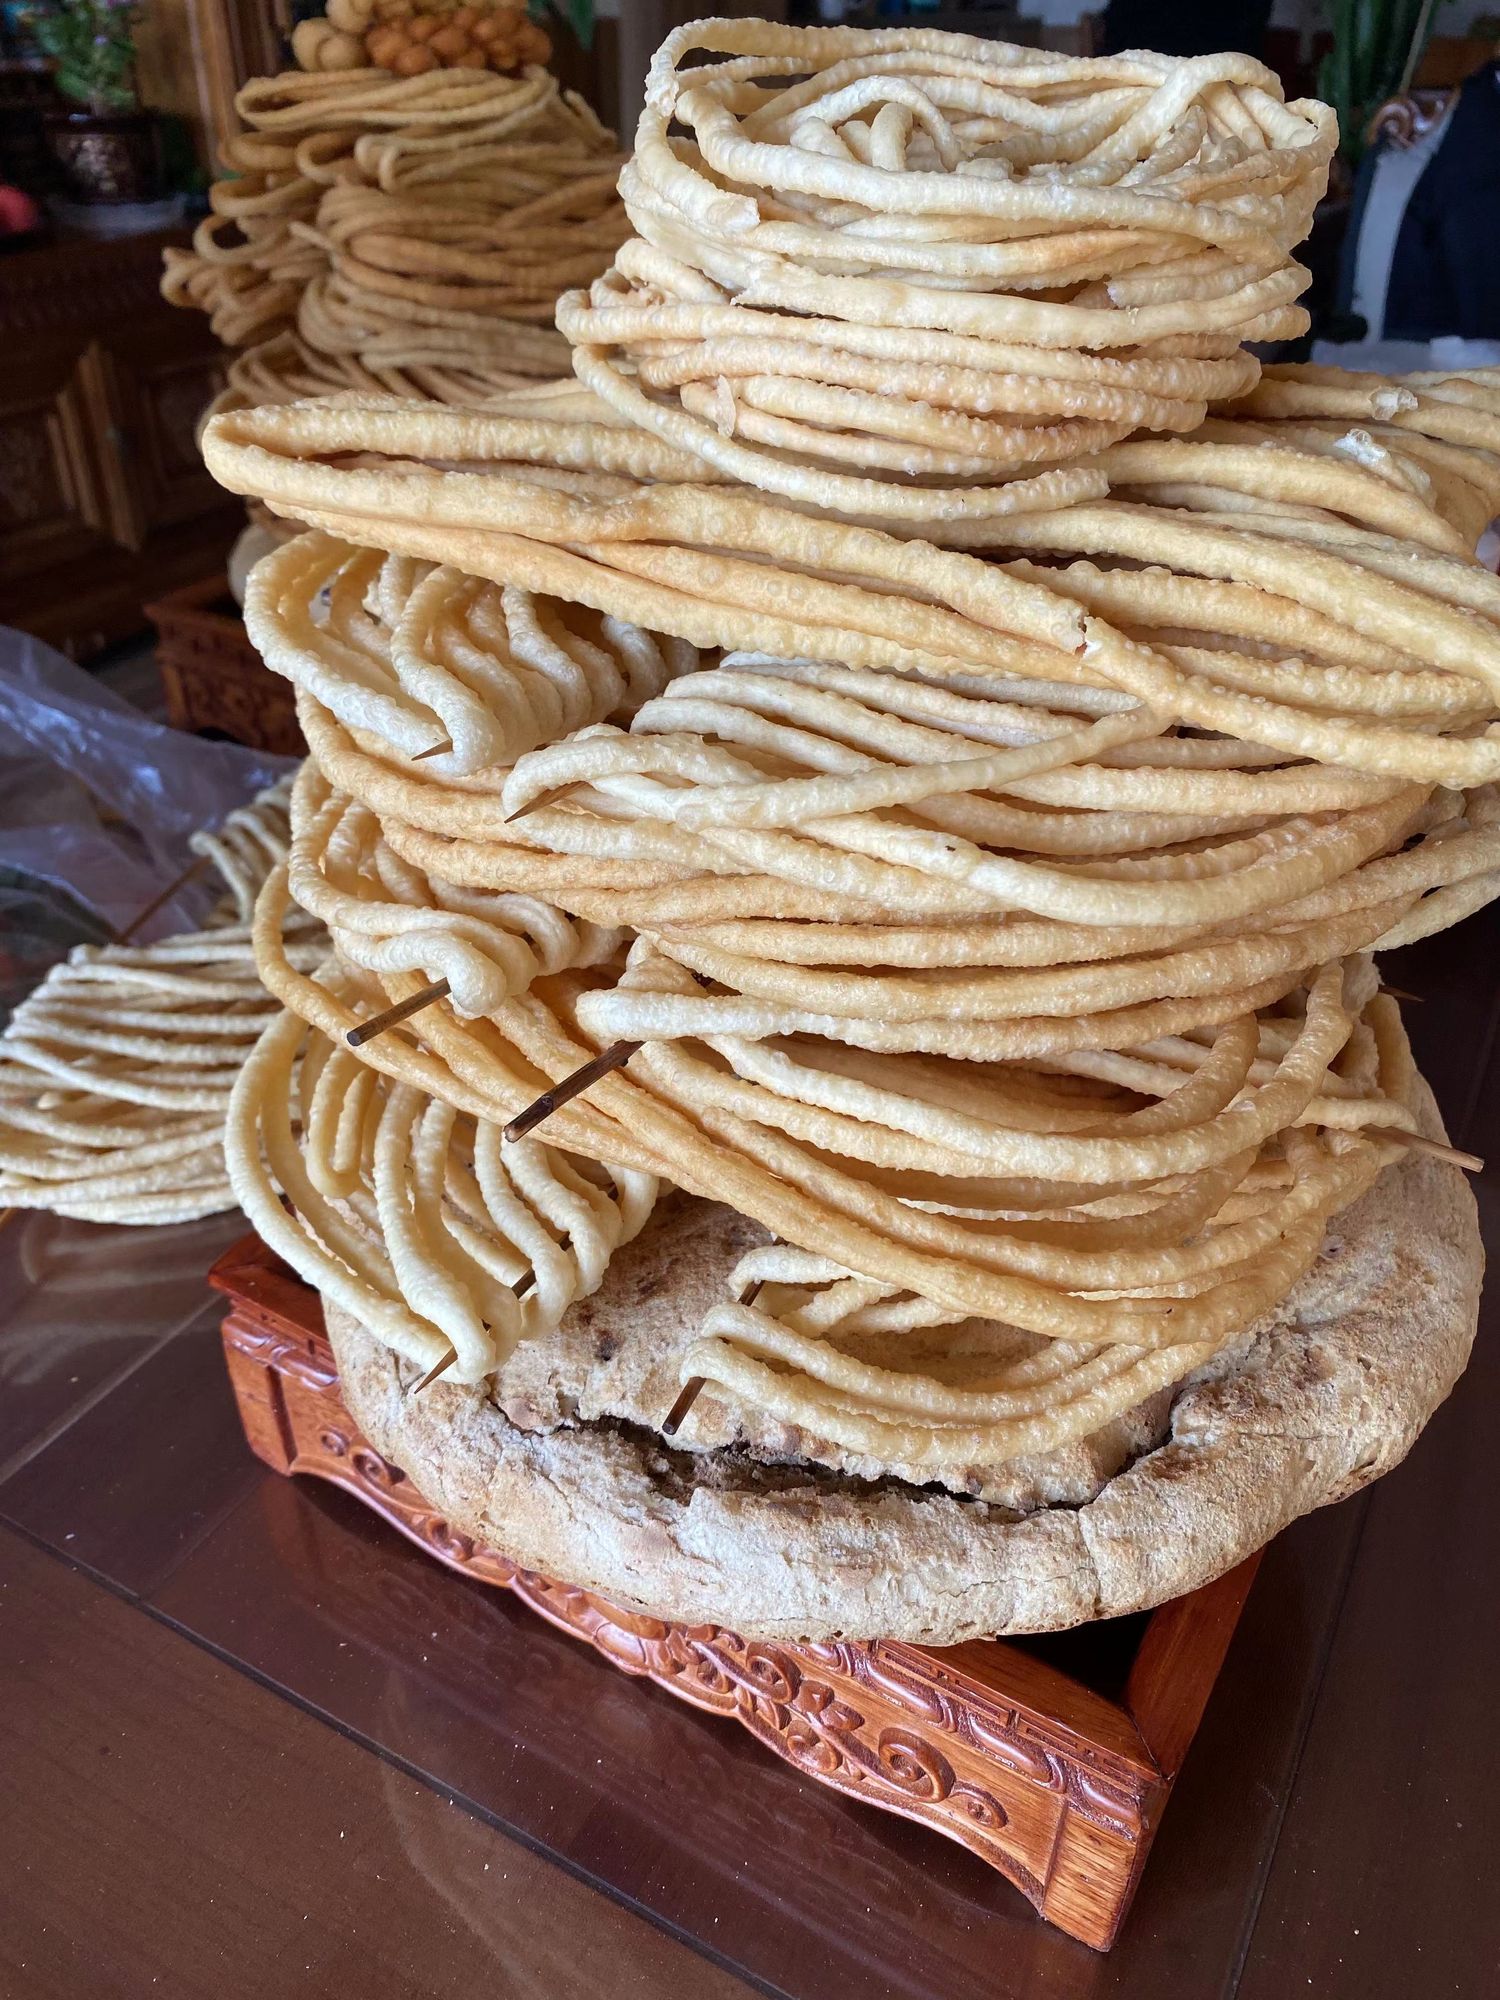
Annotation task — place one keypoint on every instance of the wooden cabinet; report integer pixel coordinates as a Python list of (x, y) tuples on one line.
[(104, 501), (51, 504)]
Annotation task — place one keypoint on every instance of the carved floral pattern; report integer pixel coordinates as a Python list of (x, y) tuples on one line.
[(28, 482), (288, 1355)]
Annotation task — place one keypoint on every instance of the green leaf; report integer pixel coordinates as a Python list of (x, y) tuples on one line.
[(74, 85), (1369, 28), (579, 15)]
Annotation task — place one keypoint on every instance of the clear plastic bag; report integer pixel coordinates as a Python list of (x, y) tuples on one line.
[(97, 802)]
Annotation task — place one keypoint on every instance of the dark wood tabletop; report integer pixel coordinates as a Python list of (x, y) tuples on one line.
[(255, 1744)]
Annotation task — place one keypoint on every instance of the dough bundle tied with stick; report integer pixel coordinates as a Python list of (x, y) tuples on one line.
[(115, 1074), (934, 733)]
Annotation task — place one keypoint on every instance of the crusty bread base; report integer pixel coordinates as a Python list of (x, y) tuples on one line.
[(1315, 1403), (618, 1355)]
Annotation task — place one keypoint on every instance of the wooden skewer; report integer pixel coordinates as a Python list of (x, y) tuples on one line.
[(189, 874), (548, 798), (432, 750), (1418, 1142), (394, 1016), (437, 1368), (8, 1216), (614, 1057), (696, 1384), (520, 1288), (1400, 993), (671, 1423)]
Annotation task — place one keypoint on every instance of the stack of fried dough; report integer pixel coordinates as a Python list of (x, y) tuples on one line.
[(403, 234), (115, 1074), (891, 271), (968, 864)]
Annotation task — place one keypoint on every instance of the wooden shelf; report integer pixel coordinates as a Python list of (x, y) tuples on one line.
[(104, 500)]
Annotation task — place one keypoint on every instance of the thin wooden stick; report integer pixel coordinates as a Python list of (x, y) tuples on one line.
[(520, 1288), (671, 1423), (548, 798), (437, 1368), (8, 1216), (432, 750), (696, 1384), (1418, 1142), (1400, 993), (394, 1016), (189, 874), (614, 1057)]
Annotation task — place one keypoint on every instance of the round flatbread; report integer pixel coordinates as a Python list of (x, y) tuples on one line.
[(1319, 1399)]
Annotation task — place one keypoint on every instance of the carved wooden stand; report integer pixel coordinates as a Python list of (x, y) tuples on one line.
[(1057, 1786)]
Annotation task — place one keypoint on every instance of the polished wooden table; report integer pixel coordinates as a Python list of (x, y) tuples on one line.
[(252, 1743)]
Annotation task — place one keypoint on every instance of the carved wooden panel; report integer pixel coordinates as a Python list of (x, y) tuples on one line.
[(52, 505), (1052, 1784), (151, 387), (103, 499), (78, 286)]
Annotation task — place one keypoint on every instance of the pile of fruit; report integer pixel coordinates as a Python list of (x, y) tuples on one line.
[(411, 37)]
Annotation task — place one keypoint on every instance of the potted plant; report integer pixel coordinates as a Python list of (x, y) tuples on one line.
[(107, 148)]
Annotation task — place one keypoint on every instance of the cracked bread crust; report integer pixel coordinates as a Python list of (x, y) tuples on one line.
[(660, 1288), (1310, 1406)]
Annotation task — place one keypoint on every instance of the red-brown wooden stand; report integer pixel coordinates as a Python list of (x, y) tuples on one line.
[(1058, 1787)]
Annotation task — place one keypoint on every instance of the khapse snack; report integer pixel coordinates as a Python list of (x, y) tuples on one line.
[(1374, 825), (1010, 1035), (284, 369), (878, 1122), (729, 878), (379, 907), (412, 1216), (115, 1074), (741, 571), (843, 1106), (405, 226), (870, 1179), (384, 916), (907, 259), (247, 844), (428, 658)]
